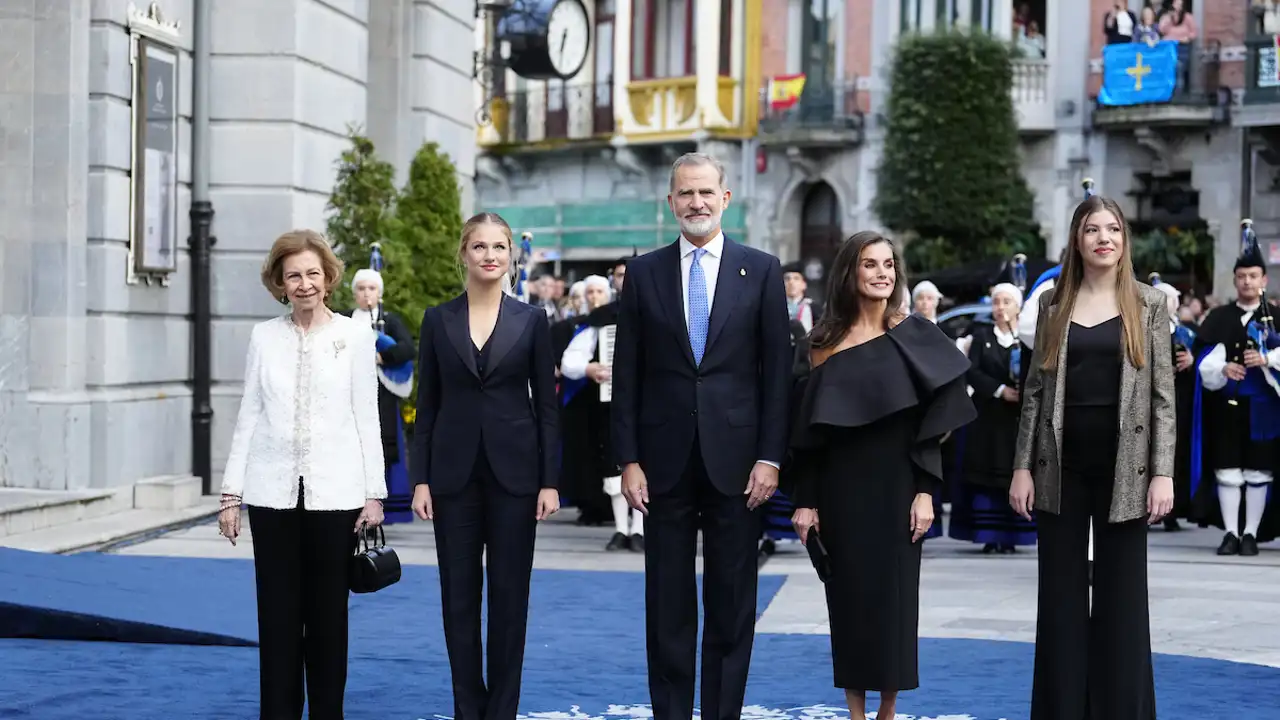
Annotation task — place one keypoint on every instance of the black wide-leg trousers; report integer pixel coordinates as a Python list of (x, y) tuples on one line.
[(301, 559), (1092, 663), (485, 530)]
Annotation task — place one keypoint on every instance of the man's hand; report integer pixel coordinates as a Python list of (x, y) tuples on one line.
[(635, 488), (599, 372), (761, 485), (1009, 394), (1234, 371), (1182, 360), (1253, 359)]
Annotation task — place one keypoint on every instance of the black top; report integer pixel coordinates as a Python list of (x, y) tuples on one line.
[(1094, 355)]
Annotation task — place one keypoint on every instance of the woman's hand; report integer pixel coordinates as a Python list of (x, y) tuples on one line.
[(1022, 494), (548, 503), (599, 372), (803, 519), (229, 518), (1009, 394), (921, 516), (422, 502), (1159, 498), (370, 516)]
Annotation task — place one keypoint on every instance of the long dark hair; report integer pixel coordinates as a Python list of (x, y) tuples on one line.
[(842, 307)]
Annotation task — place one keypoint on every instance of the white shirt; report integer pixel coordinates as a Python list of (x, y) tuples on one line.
[(710, 264), (1213, 368), (310, 410), (573, 364), (1030, 314)]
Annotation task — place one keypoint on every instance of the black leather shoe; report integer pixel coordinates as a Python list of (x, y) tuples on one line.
[(989, 548), (637, 543), (1248, 546), (1230, 545), (617, 542), (1171, 524)]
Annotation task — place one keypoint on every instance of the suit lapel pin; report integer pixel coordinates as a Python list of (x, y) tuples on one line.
[(742, 272)]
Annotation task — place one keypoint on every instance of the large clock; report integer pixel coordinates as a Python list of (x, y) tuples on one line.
[(549, 39)]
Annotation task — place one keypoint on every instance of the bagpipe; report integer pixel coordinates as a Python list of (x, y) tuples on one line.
[(522, 263), (1018, 276), (398, 379), (1262, 328)]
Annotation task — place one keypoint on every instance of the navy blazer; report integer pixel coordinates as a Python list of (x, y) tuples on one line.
[(735, 402), (512, 405)]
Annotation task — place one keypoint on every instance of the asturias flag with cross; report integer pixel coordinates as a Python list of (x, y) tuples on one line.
[(1138, 73)]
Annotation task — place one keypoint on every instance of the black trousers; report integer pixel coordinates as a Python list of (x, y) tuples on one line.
[(1092, 665), (300, 562), (730, 534), (483, 522)]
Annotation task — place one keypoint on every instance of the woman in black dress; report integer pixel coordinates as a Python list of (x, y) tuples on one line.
[(865, 463), (1096, 444), (980, 511)]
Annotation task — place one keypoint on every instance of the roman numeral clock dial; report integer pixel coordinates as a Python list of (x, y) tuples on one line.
[(549, 39)]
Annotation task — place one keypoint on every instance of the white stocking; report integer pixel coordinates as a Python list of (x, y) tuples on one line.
[(1230, 482), (613, 488), (637, 523), (1255, 503)]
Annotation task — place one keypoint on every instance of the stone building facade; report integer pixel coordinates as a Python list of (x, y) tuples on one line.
[(95, 371)]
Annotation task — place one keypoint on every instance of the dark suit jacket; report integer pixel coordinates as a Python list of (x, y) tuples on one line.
[(513, 404), (735, 402)]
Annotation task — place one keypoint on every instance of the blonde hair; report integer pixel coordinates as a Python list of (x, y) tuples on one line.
[(290, 244), (474, 223), (1067, 287)]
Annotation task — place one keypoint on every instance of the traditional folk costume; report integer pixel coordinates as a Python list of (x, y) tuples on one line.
[(980, 511), (951, 444), (588, 449), (1237, 424), (1182, 340), (395, 383)]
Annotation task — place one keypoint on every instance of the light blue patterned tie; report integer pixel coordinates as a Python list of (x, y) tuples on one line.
[(699, 308)]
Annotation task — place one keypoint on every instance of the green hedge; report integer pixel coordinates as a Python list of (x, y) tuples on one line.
[(950, 179)]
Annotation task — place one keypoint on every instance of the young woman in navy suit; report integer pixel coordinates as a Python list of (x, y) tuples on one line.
[(485, 463)]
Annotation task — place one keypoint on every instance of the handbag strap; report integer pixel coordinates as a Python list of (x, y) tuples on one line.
[(379, 535)]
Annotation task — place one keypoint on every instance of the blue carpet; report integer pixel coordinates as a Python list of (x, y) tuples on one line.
[(584, 659)]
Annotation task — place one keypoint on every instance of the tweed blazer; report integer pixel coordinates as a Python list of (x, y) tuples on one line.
[(1148, 423)]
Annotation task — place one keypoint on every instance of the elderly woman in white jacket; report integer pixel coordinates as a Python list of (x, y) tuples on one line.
[(306, 458)]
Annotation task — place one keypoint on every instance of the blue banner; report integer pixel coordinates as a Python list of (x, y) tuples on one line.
[(1138, 73)]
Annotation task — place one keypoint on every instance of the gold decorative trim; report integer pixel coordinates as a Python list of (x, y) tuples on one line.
[(726, 89), (751, 61)]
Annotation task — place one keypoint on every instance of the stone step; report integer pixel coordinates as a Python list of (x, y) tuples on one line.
[(116, 528), (25, 511), (168, 492)]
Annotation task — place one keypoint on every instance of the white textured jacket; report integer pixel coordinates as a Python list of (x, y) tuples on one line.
[(310, 410)]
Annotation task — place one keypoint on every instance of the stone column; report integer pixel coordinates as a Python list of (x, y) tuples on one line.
[(706, 62), (288, 78), (44, 95), (444, 101), (390, 86)]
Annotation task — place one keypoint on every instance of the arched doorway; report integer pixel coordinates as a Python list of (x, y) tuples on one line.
[(820, 234)]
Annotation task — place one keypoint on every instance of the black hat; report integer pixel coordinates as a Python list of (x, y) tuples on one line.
[(793, 267), (1250, 253)]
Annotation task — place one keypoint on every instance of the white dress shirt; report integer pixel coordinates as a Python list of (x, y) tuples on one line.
[(573, 364), (1029, 315), (310, 410), (1213, 368), (710, 264)]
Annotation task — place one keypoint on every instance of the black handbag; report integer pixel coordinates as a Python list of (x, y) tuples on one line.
[(818, 554), (373, 568)]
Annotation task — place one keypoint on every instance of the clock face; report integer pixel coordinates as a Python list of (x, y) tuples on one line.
[(568, 37)]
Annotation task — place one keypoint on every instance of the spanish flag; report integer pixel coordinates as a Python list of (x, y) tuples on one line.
[(784, 90)]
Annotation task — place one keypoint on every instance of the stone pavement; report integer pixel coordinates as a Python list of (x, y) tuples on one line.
[(1201, 605)]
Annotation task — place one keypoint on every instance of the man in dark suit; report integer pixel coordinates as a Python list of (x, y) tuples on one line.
[(701, 374)]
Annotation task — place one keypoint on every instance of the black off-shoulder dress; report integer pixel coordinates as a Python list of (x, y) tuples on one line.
[(865, 441)]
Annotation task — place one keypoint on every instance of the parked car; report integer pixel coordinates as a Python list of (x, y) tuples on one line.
[(959, 320)]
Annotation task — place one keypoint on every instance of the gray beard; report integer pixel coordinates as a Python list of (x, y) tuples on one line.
[(699, 227)]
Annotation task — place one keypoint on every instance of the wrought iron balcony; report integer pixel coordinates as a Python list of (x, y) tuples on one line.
[(552, 114), (826, 114)]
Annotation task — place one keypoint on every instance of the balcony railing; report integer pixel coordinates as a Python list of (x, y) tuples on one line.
[(1031, 97), (825, 113), (555, 112), (1198, 98)]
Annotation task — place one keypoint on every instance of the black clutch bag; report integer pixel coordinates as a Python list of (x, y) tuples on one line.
[(818, 554), (373, 568)]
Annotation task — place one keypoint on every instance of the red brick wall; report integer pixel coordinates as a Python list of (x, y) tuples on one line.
[(1226, 23), (1097, 10), (857, 43), (773, 38)]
